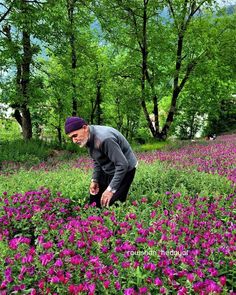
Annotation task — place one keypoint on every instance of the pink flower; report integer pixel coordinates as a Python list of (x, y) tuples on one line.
[(182, 291), (76, 260), (47, 245), (55, 280), (212, 286), (129, 291), (135, 203), (125, 264), (91, 288), (115, 273), (153, 214), (46, 258), (106, 284), (166, 212), (190, 277), (58, 263), (75, 289), (41, 284), (143, 290), (223, 280), (117, 285), (27, 259), (81, 244), (163, 290), (157, 282)]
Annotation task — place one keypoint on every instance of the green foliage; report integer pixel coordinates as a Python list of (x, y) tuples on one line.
[(72, 183), (156, 179), (224, 119), (32, 151), (108, 45), (151, 145), (150, 181), (9, 130)]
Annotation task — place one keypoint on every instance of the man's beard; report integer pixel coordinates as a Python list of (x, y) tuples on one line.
[(83, 143)]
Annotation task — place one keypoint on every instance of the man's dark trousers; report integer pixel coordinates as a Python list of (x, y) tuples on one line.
[(120, 194)]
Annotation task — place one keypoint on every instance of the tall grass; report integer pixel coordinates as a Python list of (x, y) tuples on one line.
[(24, 151)]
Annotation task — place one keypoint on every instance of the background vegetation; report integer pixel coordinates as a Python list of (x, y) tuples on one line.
[(149, 68)]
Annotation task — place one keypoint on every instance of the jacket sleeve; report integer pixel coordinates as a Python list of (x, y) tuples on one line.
[(96, 171), (113, 151)]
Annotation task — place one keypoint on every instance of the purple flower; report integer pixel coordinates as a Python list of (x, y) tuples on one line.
[(46, 258), (212, 287), (106, 284), (223, 280), (143, 290), (58, 263), (158, 282), (117, 285), (129, 291), (55, 280)]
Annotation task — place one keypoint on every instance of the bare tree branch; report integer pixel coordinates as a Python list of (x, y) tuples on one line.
[(7, 12)]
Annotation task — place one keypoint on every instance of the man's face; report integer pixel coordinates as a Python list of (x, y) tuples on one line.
[(80, 136)]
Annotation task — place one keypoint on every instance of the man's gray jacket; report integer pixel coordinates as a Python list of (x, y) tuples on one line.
[(111, 154)]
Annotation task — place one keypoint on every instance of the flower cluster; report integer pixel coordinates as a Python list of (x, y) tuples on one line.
[(213, 157), (55, 247)]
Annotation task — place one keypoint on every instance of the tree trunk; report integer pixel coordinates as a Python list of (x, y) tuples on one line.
[(144, 51), (70, 9), (98, 103), (176, 88), (59, 135), (24, 83), (26, 123), (22, 112)]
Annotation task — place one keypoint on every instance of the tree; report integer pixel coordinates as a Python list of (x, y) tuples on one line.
[(141, 28), (210, 89), (17, 30)]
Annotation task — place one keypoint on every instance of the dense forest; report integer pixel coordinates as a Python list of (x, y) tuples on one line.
[(149, 68)]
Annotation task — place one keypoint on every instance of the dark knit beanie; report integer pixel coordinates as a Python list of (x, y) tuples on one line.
[(74, 123)]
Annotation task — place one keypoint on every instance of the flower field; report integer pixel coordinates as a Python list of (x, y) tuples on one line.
[(170, 240)]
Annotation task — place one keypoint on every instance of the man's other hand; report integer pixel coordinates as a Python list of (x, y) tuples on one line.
[(94, 188), (106, 198)]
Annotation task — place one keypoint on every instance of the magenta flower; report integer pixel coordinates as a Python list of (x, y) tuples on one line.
[(223, 280), (58, 263), (125, 264), (47, 245), (76, 260), (143, 290), (75, 289), (33, 292), (117, 285), (163, 290), (182, 291), (115, 273), (212, 287), (158, 282), (129, 291), (27, 259), (153, 214), (106, 284), (55, 280), (46, 258), (190, 277)]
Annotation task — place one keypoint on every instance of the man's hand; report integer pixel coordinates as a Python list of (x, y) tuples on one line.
[(94, 188), (106, 198)]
